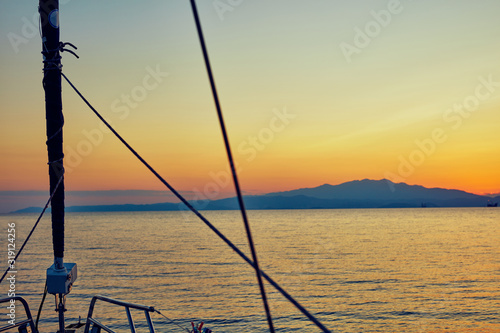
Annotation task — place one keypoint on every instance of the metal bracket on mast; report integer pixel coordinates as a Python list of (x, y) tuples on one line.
[(60, 280)]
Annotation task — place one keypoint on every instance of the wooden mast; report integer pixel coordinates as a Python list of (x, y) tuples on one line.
[(49, 16)]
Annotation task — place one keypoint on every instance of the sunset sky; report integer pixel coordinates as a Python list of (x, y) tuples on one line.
[(313, 92)]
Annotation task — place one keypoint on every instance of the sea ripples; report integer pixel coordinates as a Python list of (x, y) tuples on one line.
[(434, 270)]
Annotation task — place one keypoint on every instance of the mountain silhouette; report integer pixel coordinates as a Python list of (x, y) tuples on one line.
[(385, 193), (364, 193)]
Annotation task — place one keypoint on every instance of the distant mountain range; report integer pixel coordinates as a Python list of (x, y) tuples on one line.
[(355, 194)]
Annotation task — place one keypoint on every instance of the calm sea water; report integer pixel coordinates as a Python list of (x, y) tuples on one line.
[(380, 270)]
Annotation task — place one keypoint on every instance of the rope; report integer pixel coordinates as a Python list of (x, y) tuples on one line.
[(34, 227), (173, 322), (233, 169), (197, 213), (40, 307), (53, 63)]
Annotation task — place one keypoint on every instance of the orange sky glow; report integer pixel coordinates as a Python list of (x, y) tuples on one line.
[(310, 95)]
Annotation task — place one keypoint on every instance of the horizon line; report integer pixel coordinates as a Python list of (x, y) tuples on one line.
[(167, 192)]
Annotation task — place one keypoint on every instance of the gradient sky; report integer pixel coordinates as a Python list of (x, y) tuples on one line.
[(313, 92)]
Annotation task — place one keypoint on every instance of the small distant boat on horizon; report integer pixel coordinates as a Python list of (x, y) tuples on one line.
[(491, 204)]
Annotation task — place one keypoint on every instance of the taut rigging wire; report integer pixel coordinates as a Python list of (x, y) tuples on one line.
[(253, 263), (36, 224), (233, 169), (197, 213)]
